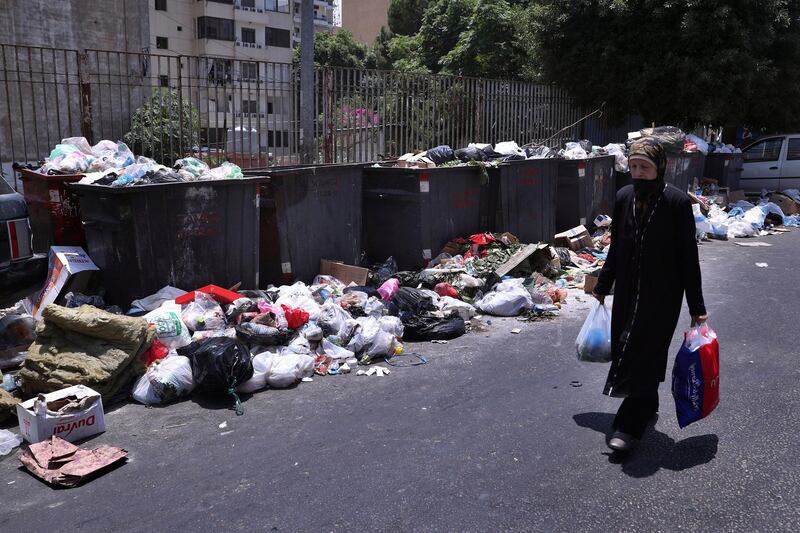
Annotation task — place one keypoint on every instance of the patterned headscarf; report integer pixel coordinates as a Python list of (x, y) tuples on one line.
[(649, 148)]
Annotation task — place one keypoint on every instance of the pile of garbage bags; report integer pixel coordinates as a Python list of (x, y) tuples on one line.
[(486, 154), (110, 163), (742, 219)]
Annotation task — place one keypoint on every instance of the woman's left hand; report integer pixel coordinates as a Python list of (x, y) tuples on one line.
[(697, 320)]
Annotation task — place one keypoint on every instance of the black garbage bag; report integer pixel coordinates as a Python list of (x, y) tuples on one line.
[(429, 328), (540, 152), (440, 154), (586, 145), (411, 302), (219, 364), (382, 271), (471, 153)]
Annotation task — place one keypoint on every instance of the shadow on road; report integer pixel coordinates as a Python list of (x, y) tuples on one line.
[(656, 450)]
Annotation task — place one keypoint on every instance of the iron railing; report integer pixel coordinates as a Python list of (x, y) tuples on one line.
[(248, 111)]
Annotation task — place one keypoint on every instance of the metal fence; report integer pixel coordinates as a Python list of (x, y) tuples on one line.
[(248, 111)]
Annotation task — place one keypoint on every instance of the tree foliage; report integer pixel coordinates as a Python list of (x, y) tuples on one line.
[(404, 16), (681, 62), (165, 128), (339, 49)]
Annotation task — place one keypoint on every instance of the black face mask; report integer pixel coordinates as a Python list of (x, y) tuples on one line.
[(646, 188)]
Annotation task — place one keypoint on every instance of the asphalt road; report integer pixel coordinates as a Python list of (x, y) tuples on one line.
[(489, 435)]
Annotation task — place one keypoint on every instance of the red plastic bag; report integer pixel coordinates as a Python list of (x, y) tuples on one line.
[(295, 317), (695, 376), (482, 238), (445, 289), (156, 351)]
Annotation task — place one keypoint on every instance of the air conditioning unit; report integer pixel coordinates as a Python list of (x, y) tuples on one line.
[(262, 115), (246, 8), (253, 115), (260, 10), (238, 43)]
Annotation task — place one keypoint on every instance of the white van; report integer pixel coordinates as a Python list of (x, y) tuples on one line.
[(771, 163)]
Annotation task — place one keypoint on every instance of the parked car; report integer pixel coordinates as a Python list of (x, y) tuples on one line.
[(17, 260), (771, 163)]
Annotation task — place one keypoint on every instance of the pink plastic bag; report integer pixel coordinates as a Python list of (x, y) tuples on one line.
[(389, 287)]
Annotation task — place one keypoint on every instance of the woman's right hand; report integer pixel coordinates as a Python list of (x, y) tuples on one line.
[(600, 298)]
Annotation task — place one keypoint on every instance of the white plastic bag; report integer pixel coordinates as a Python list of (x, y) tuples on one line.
[(392, 324), (8, 441), (334, 320), (508, 298), (204, 313), (165, 380), (509, 148), (337, 353), (449, 304), (262, 365), (593, 344), (288, 367), (170, 329), (701, 223), (298, 296)]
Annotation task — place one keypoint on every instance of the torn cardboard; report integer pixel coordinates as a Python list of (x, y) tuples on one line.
[(72, 414), (58, 462), (69, 270), (785, 202)]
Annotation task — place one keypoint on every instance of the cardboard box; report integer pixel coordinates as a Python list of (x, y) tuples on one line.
[(575, 239), (86, 420), (68, 269), (735, 196), (786, 203), (345, 273)]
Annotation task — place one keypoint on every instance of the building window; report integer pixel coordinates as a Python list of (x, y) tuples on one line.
[(219, 70), (161, 5), (281, 6), (163, 81), (162, 43), (215, 28), (269, 107), (277, 37), (248, 35), (249, 3), (249, 71), (278, 139), (249, 106)]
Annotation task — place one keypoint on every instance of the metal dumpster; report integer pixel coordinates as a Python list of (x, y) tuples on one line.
[(526, 204), (308, 213), (725, 168), (683, 168), (54, 210), (185, 234), (410, 213), (585, 189)]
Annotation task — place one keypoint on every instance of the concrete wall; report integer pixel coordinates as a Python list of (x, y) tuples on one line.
[(364, 18), (121, 25)]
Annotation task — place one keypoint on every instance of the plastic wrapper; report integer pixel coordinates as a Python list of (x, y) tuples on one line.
[(204, 313), (170, 328), (593, 344), (192, 166)]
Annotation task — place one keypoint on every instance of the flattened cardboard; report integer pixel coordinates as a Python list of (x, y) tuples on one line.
[(345, 273)]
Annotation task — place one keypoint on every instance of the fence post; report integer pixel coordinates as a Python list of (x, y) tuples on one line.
[(85, 94), (328, 114), (180, 110), (479, 96)]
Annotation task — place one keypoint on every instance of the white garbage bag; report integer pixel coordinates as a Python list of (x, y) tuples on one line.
[(165, 380), (262, 365), (508, 298)]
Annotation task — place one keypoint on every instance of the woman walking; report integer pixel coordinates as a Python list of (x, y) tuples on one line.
[(652, 263)]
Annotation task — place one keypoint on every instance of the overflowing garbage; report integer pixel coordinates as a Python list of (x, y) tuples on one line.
[(113, 164), (488, 155)]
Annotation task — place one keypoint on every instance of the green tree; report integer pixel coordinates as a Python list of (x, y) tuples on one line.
[(489, 46), (165, 128), (442, 24), (339, 49), (680, 62), (405, 16)]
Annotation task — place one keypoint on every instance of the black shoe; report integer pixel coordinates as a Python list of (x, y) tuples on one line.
[(621, 442)]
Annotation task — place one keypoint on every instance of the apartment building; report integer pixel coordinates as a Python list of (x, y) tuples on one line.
[(364, 18), (234, 65)]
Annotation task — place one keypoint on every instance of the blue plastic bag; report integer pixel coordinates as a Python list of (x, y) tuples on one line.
[(594, 340)]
